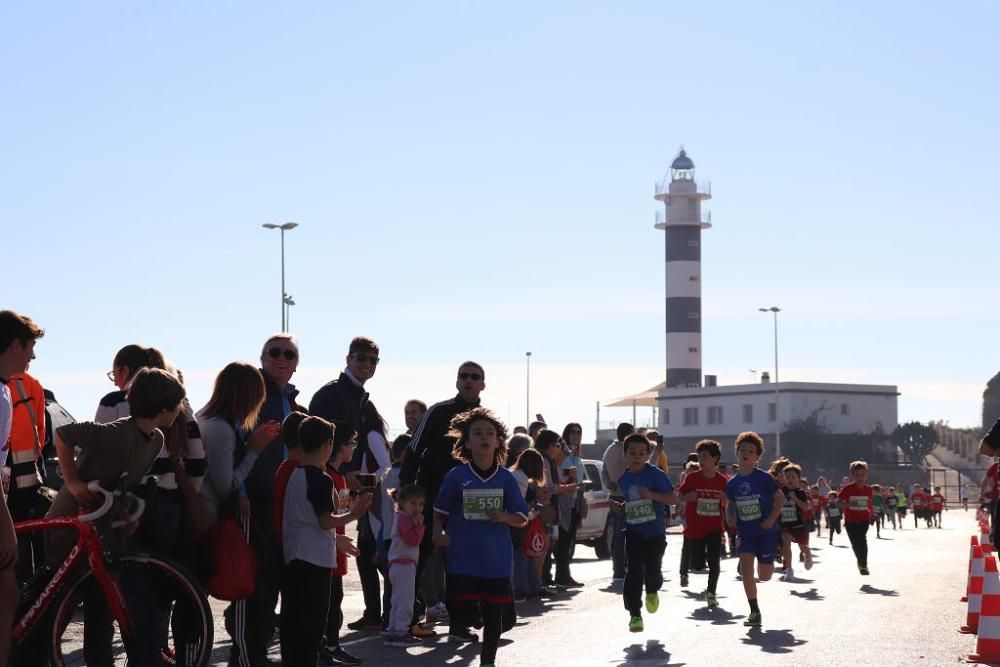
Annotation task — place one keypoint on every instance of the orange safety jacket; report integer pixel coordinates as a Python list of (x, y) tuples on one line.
[(27, 431)]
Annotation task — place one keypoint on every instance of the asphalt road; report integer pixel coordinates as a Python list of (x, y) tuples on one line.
[(906, 613)]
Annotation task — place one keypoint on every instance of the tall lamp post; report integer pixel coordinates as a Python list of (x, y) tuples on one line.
[(527, 389), (284, 228), (777, 421), (289, 302)]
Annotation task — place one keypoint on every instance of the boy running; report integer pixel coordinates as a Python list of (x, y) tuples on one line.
[(878, 504), (755, 503), (833, 515), (858, 512), (703, 492), (891, 502), (918, 501), (646, 492), (793, 525), (937, 505)]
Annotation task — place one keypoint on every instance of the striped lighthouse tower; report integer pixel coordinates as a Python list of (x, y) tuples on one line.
[(683, 220)]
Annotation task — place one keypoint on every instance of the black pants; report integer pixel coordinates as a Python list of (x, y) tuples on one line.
[(711, 546), (335, 615), (857, 533), (27, 504), (304, 606), (563, 548), (368, 573), (252, 620), (486, 603), (644, 565)]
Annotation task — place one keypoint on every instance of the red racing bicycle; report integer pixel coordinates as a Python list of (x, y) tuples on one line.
[(50, 625)]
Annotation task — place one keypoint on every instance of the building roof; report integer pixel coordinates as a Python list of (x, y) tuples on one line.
[(682, 161), (652, 396)]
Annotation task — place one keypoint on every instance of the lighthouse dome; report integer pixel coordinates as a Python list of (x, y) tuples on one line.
[(682, 161)]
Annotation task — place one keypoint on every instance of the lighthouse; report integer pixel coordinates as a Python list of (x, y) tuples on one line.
[(682, 221)]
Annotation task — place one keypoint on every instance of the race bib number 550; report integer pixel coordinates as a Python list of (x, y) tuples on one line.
[(477, 502)]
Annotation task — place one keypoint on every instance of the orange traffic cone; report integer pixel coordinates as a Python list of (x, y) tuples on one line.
[(968, 581), (988, 642), (975, 592)]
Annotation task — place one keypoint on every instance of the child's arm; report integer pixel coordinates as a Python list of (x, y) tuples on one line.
[(410, 529), (441, 539), (777, 502), (512, 520), (668, 498), (361, 504), (802, 504), (71, 477), (730, 513)]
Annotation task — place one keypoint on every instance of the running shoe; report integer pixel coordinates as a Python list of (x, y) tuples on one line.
[(710, 599), (684, 581), (753, 619), (863, 570), (462, 637), (809, 560), (420, 631), (652, 602), (635, 624)]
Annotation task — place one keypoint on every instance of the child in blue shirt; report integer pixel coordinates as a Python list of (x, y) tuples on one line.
[(755, 502), (646, 491), (477, 505)]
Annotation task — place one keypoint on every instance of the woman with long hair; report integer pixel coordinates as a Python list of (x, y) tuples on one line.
[(571, 506)]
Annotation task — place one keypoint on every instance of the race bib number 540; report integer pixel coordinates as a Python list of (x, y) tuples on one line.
[(477, 502), (639, 511)]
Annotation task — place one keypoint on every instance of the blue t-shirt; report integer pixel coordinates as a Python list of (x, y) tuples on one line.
[(645, 518), (753, 499), (479, 547)]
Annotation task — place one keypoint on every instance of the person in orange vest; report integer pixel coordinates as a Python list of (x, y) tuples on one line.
[(27, 437)]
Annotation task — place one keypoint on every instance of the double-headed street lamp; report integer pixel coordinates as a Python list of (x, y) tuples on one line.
[(777, 428), (284, 296), (527, 390)]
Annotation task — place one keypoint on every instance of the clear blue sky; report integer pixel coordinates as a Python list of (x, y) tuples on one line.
[(474, 180)]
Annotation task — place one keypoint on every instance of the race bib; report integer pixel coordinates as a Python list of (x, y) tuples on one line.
[(834, 512), (707, 507), (788, 513), (859, 503), (748, 509), (639, 511), (477, 502)]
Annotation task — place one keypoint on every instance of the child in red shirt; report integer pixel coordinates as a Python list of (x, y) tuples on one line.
[(918, 502), (859, 511), (937, 505), (704, 495), (818, 504)]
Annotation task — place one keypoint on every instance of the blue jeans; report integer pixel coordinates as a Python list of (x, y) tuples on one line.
[(618, 542), (526, 581)]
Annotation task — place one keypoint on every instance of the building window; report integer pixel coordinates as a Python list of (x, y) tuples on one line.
[(692, 243), (693, 279), (747, 413), (694, 316), (845, 409), (772, 412), (715, 414), (693, 350), (690, 416), (665, 416)]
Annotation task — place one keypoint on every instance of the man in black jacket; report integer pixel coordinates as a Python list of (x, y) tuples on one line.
[(429, 457)]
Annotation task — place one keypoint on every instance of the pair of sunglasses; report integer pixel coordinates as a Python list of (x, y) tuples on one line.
[(475, 377), (366, 358), (276, 352)]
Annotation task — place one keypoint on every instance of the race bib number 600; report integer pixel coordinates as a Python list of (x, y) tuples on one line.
[(748, 509), (477, 502)]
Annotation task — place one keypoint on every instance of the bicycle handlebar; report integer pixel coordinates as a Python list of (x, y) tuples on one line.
[(109, 500)]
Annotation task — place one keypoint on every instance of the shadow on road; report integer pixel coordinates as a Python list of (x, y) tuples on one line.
[(772, 641), (811, 594), (871, 590), (716, 616), (653, 653)]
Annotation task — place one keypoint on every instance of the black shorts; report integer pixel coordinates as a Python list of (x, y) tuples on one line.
[(468, 594)]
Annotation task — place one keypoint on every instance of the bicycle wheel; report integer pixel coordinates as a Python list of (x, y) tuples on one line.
[(160, 596)]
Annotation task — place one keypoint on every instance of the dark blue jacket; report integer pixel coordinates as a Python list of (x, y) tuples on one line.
[(343, 400), (259, 483)]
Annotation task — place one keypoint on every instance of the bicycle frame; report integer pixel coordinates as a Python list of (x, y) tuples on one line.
[(88, 544)]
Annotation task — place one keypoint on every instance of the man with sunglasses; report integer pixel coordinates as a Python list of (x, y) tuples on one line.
[(429, 459), (279, 359)]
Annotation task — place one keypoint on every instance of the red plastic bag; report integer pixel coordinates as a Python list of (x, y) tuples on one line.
[(536, 539), (234, 565)]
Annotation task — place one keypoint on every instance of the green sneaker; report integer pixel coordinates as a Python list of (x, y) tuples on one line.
[(710, 599), (863, 570), (652, 602), (635, 625), (753, 619)]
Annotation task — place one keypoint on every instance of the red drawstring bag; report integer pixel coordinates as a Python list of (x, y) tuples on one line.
[(234, 565), (536, 539)]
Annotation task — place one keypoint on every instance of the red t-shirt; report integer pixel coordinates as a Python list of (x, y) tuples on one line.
[(937, 502), (280, 486), (703, 516), (918, 500), (341, 498), (857, 503), (993, 473), (817, 502)]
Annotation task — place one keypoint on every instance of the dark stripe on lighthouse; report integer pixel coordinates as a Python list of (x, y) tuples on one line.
[(683, 314), (684, 243)]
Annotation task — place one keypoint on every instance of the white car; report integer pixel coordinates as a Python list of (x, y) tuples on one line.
[(596, 531)]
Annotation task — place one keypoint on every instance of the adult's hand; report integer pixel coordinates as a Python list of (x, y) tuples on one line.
[(263, 436)]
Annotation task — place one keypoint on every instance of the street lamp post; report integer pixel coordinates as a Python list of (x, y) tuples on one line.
[(527, 389), (289, 302), (777, 421), (284, 228)]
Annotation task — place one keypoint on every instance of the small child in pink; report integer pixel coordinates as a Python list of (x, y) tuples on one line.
[(407, 532)]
